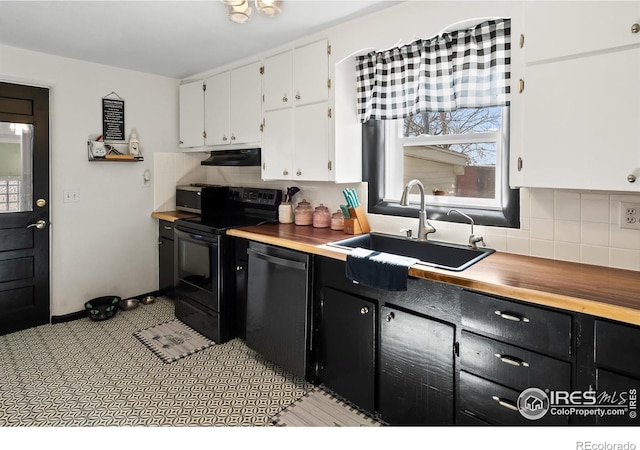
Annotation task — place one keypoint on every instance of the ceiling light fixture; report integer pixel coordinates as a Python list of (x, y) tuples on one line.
[(239, 11), (268, 8)]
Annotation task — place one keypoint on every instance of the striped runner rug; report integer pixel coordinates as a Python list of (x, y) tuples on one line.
[(319, 408)]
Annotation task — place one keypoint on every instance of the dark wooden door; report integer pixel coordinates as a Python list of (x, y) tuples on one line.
[(416, 369), (24, 207), (348, 347)]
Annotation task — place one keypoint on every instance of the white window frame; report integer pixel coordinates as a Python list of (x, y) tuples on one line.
[(394, 174)]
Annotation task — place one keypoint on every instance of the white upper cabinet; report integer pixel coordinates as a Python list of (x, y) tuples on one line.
[(245, 109), (575, 124), (192, 114), (559, 29), (311, 73), (228, 111), (311, 135), (277, 145), (295, 141), (217, 101), (277, 82)]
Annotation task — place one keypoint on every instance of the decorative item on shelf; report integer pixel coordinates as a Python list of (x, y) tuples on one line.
[(321, 217), (304, 213), (337, 221), (134, 144), (357, 222)]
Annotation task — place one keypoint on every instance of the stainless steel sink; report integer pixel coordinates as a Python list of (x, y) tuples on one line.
[(431, 253)]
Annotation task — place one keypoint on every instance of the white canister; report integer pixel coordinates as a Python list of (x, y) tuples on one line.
[(285, 213)]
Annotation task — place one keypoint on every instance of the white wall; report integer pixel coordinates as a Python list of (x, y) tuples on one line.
[(107, 242)]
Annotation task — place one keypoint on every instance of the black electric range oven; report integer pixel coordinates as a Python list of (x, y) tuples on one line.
[(205, 296)]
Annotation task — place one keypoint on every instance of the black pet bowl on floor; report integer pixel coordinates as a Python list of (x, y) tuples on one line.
[(102, 308)]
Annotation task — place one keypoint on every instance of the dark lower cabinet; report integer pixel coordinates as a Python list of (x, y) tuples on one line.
[(166, 268), (617, 384), (416, 369), (348, 325)]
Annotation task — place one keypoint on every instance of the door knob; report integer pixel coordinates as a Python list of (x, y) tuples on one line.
[(364, 310), (40, 224)]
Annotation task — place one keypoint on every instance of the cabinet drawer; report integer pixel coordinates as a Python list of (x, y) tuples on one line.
[(529, 326), (497, 404), (512, 366), (617, 347), (166, 229)]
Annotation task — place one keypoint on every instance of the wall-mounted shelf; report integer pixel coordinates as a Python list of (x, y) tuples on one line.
[(112, 154), (118, 158)]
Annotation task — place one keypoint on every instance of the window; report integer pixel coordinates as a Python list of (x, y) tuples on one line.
[(443, 123)]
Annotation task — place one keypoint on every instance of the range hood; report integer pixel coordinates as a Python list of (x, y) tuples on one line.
[(240, 157)]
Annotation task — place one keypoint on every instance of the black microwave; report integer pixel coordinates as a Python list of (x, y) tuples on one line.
[(200, 198)]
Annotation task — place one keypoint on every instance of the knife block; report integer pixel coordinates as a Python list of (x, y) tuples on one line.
[(357, 223)]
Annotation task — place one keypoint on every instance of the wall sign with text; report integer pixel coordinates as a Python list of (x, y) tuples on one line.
[(113, 119)]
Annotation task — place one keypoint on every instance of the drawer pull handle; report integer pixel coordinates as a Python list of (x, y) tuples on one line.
[(511, 360), (505, 403), (512, 317)]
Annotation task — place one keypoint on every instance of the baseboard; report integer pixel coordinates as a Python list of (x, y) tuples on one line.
[(68, 317), (83, 314)]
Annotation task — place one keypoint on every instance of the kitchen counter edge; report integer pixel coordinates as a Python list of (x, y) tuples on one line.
[(172, 216), (599, 291)]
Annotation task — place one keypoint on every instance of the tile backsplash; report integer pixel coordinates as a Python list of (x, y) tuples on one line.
[(578, 226)]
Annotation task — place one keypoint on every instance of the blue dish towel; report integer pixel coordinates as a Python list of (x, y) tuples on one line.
[(378, 269)]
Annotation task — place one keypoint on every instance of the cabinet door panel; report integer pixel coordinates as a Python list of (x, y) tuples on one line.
[(277, 82), (580, 123), (277, 145), (416, 369), (616, 389), (617, 347), (311, 73), (245, 111), (311, 138), (556, 29), (191, 114), (217, 98), (348, 337)]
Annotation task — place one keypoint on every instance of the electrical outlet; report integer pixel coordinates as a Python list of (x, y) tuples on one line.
[(630, 216), (71, 195)]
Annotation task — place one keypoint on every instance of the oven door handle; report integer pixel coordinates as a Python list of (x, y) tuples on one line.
[(276, 260), (197, 237)]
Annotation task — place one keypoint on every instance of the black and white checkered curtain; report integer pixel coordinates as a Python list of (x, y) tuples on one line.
[(462, 69)]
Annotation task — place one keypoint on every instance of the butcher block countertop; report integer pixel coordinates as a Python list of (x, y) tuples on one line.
[(172, 216), (599, 291)]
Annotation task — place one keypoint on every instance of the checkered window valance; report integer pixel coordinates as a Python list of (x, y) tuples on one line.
[(461, 69)]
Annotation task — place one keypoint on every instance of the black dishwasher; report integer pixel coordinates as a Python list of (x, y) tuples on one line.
[(278, 313)]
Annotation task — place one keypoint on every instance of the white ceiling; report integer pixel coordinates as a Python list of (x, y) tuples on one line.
[(171, 38)]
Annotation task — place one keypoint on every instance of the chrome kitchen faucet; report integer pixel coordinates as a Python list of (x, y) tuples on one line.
[(424, 226)]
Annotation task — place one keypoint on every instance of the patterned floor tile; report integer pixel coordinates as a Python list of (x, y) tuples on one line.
[(88, 374)]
